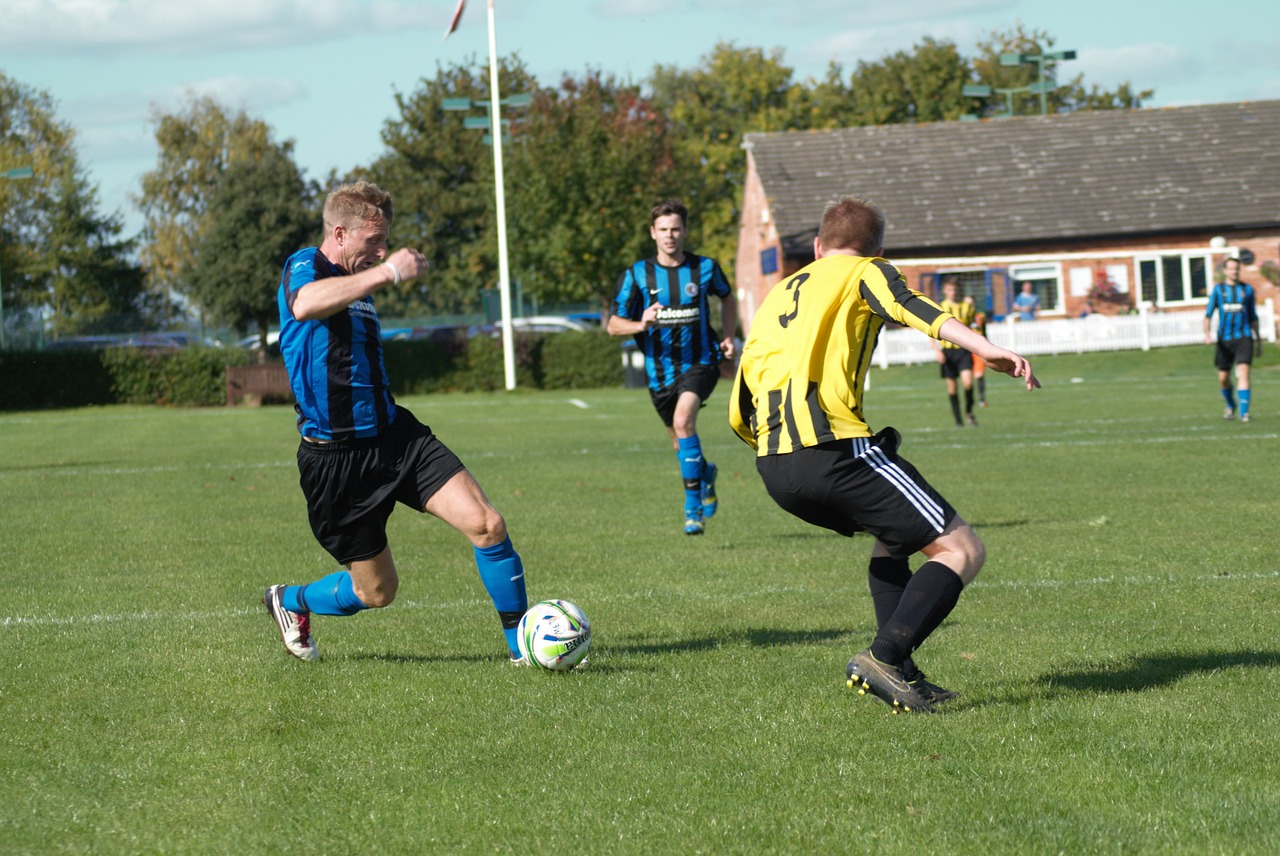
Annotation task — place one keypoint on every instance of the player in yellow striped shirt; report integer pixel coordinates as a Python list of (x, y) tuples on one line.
[(797, 400), (953, 360)]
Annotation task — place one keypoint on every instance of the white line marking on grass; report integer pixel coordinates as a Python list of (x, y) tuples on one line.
[(16, 621), (133, 471)]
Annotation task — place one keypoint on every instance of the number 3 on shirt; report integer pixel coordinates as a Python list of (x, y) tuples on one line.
[(794, 287)]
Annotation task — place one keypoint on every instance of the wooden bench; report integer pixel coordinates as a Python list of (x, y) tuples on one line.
[(258, 384)]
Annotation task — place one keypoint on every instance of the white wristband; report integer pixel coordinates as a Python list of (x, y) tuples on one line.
[(395, 271)]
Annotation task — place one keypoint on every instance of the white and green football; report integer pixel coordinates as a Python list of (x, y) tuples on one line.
[(554, 635)]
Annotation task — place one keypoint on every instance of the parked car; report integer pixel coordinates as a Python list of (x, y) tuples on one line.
[(252, 343), (593, 320), (539, 324)]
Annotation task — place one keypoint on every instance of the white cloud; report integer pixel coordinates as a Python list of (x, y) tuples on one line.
[(843, 13), (254, 95), (1143, 66), (630, 8), (51, 27), (107, 143), (871, 44)]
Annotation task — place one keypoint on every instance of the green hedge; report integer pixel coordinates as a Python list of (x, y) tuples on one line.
[(33, 380), (543, 361), (40, 380), (187, 377)]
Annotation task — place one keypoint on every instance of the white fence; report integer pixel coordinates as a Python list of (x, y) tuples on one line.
[(1142, 331)]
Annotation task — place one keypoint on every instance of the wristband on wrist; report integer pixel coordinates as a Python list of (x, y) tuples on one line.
[(395, 271)]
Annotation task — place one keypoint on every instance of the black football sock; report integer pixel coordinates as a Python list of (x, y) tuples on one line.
[(926, 601), (968, 401), (887, 577), (955, 407)]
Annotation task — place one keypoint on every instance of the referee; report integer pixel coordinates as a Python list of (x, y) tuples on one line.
[(797, 400), (955, 361)]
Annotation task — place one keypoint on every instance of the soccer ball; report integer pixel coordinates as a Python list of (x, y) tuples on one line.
[(554, 635)]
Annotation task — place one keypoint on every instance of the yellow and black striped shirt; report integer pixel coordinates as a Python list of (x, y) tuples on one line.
[(963, 312), (804, 365)]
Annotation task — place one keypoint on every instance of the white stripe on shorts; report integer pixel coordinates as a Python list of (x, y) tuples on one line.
[(925, 504)]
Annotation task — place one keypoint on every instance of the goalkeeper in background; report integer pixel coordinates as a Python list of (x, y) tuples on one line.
[(797, 400)]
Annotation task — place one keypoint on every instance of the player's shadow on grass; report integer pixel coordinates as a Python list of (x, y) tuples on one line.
[(757, 637), (1145, 672), (61, 465), (771, 637), (1000, 524), (761, 638), (389, 657)]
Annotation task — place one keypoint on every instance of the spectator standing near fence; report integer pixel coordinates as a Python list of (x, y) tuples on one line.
[(1027, 303), (1238, 337)]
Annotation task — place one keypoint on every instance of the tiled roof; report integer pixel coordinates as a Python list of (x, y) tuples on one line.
[(1085, 175)]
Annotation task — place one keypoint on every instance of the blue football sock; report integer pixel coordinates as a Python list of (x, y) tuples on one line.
[(689, 453), (1229, 397), (1244, 401), (502, 573), (331, 595)]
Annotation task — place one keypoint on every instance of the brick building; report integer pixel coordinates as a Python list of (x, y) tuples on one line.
[(1098, 209)]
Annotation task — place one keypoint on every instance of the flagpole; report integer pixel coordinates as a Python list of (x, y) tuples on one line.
[(504, 273)]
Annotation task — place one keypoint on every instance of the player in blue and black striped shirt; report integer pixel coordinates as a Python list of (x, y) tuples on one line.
[(664, 303), (1238, 336), (360, 453)]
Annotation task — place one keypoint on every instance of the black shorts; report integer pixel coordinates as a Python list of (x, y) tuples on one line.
[(851, 486), (700, 380), (954, 361), (1233, 352), (352, 486)]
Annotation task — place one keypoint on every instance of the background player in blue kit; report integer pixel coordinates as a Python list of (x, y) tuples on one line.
[(360, 452), (664, 303), (1237, 310)]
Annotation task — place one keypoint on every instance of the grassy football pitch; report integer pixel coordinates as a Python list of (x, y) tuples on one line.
[(1118, 657)]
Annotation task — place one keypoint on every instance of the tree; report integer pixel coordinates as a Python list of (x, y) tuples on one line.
[(592, 159), (919, 85), (1062, 98), (57, 252), (736, 90), (440, 175), (581, 163), (197, 146), (259, 214), (91, 286)]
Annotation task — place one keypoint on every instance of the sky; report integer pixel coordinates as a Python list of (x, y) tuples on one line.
[(325, 73)]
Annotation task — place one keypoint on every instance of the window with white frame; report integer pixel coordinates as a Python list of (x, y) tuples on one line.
[(1174, 279), (1045, 278)]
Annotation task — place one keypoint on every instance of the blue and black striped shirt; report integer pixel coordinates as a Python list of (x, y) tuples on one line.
[(683, 337), (1237, 310), (335, 364)]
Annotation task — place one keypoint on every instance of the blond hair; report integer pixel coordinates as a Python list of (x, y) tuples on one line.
[(353, 205)]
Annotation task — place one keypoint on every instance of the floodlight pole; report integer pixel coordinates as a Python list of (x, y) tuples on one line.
[(1039, 59), (11, 174), (504, 271)]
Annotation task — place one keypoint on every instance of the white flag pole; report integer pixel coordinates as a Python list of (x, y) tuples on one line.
[(504, 274)]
